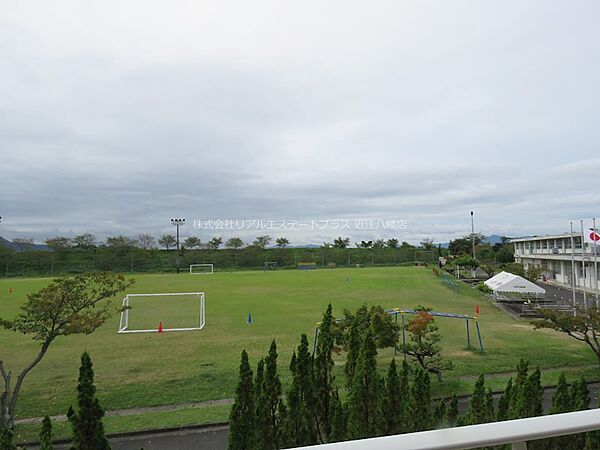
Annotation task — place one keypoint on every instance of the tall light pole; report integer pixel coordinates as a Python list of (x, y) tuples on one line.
[(472, 235), (177, 223)]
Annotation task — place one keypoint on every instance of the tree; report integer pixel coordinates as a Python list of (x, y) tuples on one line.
[(234, 243), (241, 418), (192, 242), (120, 242), (46, 435), (427, 244), (517, 389), (145, 241), (452, 413), (352, 348), (561, 403), (58, 243), (364, 244), (167, 241), (391, 243), (301, 398), (86, 241), (529, 399), (262, 241), (393, 402), (282, 242), (88, 430), (476, 413), (215, 243), (504, 402), (365, 396), (584, 326), (67, 306), (339, 420), (324, 378), (424, 347), (6, 439), (341, 242), (269, 401), (421, 401), (379, 244)]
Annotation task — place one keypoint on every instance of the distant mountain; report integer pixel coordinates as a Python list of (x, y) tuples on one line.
[(18, 247), (493, 239)]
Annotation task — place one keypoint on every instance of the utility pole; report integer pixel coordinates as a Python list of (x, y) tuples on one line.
[(177, 223)]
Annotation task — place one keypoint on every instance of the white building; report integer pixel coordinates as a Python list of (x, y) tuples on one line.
[(554, 255)]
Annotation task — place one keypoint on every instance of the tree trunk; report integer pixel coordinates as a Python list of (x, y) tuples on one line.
[(9, 399), (4, 397)]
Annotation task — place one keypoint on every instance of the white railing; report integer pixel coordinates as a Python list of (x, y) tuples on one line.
[(515, 432)]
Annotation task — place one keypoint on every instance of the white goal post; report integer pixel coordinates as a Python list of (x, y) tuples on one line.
[(201, 269), (124, 322)]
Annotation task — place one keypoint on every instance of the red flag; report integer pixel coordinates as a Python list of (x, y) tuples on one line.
[(476, 310), (594, 236), (160, 328)]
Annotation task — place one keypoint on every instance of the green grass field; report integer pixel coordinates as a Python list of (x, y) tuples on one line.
[(169, 368)]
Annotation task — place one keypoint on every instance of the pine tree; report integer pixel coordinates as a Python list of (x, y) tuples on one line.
[(259, 378), (490, 415), (517, 390), (301, 398), (561, 403), (6, 439), (405, 399), (270, 396), (323, 376), (580, 398), (339, 421), (452, 414), (46, 435), (88, 430), (529, 400), (561, 400), (580, 395), (353, 348), (592, 440), (392, 406), (476, 412), (364, 406), (505, 402), (439, 413), (241, 418), (421, 401)]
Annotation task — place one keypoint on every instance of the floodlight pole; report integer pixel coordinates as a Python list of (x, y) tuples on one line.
[(595, 258), (583, 266), (573, 268), (177, 223), (472, 235)]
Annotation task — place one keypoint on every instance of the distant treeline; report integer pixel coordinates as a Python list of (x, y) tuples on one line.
[(133, 259)]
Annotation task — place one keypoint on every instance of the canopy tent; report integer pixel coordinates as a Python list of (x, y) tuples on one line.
[(510, 283)]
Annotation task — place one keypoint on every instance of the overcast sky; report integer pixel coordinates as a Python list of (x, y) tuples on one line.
[(116, 116)]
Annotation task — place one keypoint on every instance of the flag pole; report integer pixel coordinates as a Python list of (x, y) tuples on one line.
[(595, 259), (583, 265), (573, 269)]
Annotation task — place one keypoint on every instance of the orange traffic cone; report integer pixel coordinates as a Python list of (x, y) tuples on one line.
[(160, 328)]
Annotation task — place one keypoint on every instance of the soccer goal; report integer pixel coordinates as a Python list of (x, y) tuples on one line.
[(178, 311), (201, 269), (270, 265)]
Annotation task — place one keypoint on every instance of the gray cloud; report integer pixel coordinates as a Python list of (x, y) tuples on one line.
[(115, 117)]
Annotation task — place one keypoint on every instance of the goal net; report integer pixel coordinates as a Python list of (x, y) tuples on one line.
[(151, 313), (201, 269), (271, 265)]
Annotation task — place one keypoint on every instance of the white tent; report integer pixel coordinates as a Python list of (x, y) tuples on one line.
[(510, 283)]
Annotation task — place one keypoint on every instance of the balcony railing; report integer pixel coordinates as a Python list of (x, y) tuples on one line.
[(515, 432)]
